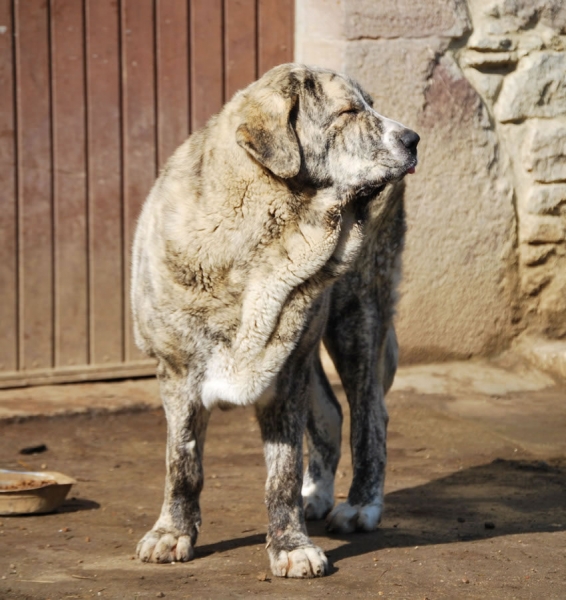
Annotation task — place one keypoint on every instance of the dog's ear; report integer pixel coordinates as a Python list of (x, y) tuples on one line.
[(267, 132)]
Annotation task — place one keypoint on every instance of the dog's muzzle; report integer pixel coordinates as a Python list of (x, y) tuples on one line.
[(410, 139)]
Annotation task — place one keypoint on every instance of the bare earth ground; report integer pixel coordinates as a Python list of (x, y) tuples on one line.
[(475, 504)]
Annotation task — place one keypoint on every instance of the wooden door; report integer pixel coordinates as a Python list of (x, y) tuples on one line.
[(94, 97)]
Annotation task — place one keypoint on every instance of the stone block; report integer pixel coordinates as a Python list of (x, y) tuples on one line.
[(544, 150), (547, 355), (395, 72), (491, 43), (536, 89), (552, 306), (486, 84), (510, 16), (320, 19), (323, 53), (541, 229), (405, 18), (532, 255), (488, 60), (545, 199), (457, 287), (553, 15), (535, 279), (319, 33)]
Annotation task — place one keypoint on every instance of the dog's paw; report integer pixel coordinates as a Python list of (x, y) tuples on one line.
[(164, 547), (346, 518), (305, 562), (317, 505)]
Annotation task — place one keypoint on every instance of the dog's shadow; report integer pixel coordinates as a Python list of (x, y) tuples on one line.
[(503, 497)]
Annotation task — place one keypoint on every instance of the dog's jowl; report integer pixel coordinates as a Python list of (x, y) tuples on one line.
[(278, 225)]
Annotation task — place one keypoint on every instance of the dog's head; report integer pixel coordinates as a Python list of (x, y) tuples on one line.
[(320, 127)]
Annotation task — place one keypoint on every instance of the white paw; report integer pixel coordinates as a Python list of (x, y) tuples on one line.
[(305, 562), (346, 518), (317, 501), (163, 547)]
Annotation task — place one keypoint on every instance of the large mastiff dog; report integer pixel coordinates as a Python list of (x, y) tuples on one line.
[(270, 229)]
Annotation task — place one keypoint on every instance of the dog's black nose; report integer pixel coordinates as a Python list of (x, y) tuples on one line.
[(410, 139)]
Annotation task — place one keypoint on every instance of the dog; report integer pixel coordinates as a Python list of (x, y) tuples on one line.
[(276, 226)]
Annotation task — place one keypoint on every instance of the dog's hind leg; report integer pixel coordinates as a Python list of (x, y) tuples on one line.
[(175, 532), (323, 434), (282, 423)]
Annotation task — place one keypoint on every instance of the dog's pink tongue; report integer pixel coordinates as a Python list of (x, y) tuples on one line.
[(411, 170)]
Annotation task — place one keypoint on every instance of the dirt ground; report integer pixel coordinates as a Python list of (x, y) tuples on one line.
[(475, 501)]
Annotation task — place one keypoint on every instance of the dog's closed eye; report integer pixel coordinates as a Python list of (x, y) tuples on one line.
[(351, 110)]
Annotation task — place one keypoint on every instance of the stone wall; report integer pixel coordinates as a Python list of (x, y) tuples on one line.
[(484, 84), (516, 60)]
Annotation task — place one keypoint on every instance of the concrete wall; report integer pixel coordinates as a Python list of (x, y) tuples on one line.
[(484, 84)]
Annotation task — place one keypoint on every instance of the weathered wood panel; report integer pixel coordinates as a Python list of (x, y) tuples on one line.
[(35, 207), (69, 183), (8, 199), (207, 76), (104, 181), (172, 37), (275, 33), (240, 61), (139, 139)]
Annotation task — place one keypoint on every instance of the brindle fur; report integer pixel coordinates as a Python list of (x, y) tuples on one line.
[(278, 224)]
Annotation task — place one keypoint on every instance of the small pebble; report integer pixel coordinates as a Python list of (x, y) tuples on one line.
[(465, 580), (160, 595)]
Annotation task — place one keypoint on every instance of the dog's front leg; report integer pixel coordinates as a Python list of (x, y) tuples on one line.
[(174, 534), (282, 422), (360, 353), (363, 509), (358, 341)]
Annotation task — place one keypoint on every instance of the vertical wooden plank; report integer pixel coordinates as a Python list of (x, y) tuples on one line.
[(239, 45), (34, 182), (207, 93), (8, 203), (138, 106), (69, 189), (276, 27), (104, 181), (172, 76)]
